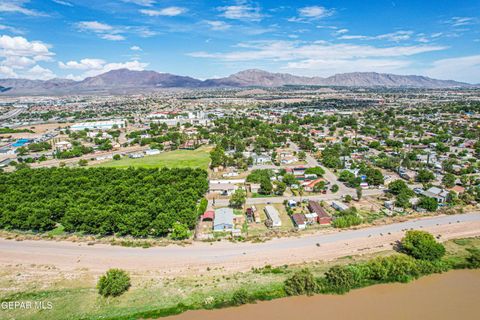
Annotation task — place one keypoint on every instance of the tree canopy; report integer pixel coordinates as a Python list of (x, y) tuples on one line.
[(104, 201)]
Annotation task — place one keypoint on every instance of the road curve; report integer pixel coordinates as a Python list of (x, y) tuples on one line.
[(236, 256)]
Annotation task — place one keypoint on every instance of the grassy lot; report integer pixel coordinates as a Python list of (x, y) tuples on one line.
[(198, 158), (74, 295)]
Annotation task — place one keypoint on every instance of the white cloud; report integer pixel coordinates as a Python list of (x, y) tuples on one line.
[(21, 47), (18, 6), (135, 48), (10, 29), (63, 3), (312, 13), (19, 57), (296, 50), (316, 12), (7, 72), (84, 64), (322, 58), (396, 36), (327, 67), (94, 26), (145, 3), (38, 73), (341, 31), (169, 12), (112, 37), (218, 25), (103, 30), (92, 67), (461, 21), (465, 68), (241, 11)]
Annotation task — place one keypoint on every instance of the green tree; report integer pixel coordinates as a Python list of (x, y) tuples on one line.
[(179, 231), (429, 204), (422, 245), (280, 188), (343, 278), (301, 283), (334, 188), (425, 175), (448, 180), (113, 283), (398, 186), (238, 198), (266, 186)]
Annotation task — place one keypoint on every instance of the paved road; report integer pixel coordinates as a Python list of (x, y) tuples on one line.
[(67, 255)]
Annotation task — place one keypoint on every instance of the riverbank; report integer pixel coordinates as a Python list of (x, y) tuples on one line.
[(155, 293), (452, 295)]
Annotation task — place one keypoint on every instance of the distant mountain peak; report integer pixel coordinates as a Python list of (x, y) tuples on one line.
[(130, 81)]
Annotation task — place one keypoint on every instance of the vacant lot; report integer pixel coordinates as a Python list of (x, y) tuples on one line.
[(199, 158)]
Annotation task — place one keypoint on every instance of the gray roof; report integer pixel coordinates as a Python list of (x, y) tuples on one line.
[(223, 216)]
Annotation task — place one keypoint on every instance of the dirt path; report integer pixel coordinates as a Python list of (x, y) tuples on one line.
[(67, 256)]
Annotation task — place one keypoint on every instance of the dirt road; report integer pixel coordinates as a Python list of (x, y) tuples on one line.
[(67, 256)]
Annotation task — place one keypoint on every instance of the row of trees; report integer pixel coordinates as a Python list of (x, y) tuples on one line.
[(422, 256), (137, 202)]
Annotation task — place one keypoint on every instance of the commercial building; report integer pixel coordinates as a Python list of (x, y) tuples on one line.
[(98, 125)]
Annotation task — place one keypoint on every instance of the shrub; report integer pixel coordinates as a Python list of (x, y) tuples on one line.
[(474, 258), (113, 283), (422, 245), (240, 297), (394, 268), (341, 279), (301, 283), (179, 231)]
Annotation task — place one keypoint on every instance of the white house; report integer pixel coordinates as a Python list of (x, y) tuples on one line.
[(273, 217)]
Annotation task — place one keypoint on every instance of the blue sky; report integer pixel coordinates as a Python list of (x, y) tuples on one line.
[(42, 39)]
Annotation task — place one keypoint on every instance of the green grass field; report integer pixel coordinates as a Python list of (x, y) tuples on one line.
[(199, 158)]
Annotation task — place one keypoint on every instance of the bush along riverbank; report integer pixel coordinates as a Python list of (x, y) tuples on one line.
[(419, 254)]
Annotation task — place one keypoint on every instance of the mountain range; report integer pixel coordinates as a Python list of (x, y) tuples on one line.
[(127, 81)]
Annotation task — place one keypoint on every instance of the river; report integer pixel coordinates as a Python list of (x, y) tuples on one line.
[(453, 295)]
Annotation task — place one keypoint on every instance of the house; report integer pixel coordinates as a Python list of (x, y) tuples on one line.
[(439, 194), (152, 152), (223, 220), (309, 186), (322, 215), (292, 203), (224, 189), (339, 206), (254, 187), (458, 189), (63, 146), (311, 217), (299, 171), (288, 160), (208, 215), (261, 159), (135, 155), (299, 220), (273, 217)]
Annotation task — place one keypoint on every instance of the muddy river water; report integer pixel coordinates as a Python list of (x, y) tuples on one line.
[(453, 295)]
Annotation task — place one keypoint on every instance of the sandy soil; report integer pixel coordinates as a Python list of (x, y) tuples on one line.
[(227, 256)]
